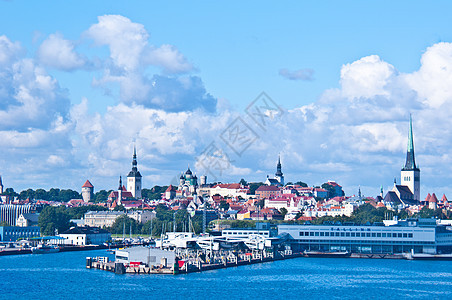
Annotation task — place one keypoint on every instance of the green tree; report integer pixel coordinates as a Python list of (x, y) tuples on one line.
[(27, 194), (101, 196), (254, 186), (52, 218), (123, 224), (119, 208), (224, 205), (10, 192), (301, 183), (243, 182), (283, 211)]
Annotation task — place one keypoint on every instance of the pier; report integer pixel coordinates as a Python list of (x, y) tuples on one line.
[(185, 264)]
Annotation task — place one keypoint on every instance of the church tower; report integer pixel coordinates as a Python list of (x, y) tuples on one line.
[(1, 185), (279, 175), (410, 174), (134, 178)]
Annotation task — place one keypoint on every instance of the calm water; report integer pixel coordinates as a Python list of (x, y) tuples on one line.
[(63, 276)]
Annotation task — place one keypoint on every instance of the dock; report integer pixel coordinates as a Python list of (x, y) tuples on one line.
[(190, 266)]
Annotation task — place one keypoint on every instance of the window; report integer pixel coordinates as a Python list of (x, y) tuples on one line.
[(342, 233), (327, 234), (347, 234), (337, 234), (378, 234), (394, 235), (410, 235), (368, 234), (311, 233), (316, 234), (399, 235), (374, 234), (405, 235), (383, 234), (322, 233), (353, 234), (301, 233)]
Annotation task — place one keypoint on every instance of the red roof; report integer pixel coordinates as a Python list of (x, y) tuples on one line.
[(444, 199), (427, 199), (433, 198), (87, 184)]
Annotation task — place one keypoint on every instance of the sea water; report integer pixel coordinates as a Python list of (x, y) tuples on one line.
[(64, 276)]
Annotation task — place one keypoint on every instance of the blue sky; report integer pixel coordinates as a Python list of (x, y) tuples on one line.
[(172, 76)]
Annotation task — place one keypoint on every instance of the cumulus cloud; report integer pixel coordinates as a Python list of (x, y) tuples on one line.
[(8, 50), (302, 74), (125, 39), (130, 55), (57, 52), (170, 59)]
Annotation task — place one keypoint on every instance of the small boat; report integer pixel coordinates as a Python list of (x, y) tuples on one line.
[(44, 249), (424, 256), (326, 254)]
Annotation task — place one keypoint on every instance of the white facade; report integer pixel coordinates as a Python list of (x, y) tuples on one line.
[(412, 179)]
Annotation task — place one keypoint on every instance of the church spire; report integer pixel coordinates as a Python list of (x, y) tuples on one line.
[(410, 163), (120, 183), (278, 167)]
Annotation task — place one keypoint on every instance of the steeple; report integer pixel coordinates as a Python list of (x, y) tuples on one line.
[(410, 163), (120, 183), (278, 167), (134, 172), (1, 185)]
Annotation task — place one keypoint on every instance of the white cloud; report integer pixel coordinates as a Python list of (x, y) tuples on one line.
[(8, 50), (57, 52), (302, 74), (170, 59), (366, 77), (125, 39), (433, 80)]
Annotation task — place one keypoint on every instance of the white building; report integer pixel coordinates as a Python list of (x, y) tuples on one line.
[(134, 178), (85, 236), (107, 218)]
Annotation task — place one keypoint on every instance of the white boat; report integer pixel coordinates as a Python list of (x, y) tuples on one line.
[(45, 248)]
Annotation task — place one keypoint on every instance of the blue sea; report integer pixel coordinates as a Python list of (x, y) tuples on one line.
[(64, 276)]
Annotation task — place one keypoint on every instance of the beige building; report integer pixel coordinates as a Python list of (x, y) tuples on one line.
[(107, 218)]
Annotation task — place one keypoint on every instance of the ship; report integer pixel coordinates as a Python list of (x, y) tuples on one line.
[(44, 249)]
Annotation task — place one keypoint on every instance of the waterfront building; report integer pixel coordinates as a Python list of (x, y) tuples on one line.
[(134, 178), (10, 212), (82, 236), (145, 255), (14, 233), (418, 235), (87, 191), (27, 219)]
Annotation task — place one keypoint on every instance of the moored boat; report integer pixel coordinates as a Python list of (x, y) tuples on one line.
[(44, 249)]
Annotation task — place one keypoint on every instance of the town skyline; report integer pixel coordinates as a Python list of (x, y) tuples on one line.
[(76, 96)]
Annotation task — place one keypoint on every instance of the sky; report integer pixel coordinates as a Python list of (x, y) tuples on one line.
[(224, 87)]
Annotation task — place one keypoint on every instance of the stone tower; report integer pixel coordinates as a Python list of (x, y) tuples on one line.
[(134, 178), (87, 191), (410, 174)]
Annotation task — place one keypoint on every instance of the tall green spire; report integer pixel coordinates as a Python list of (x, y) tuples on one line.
[(410, 162), (410, 147)]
